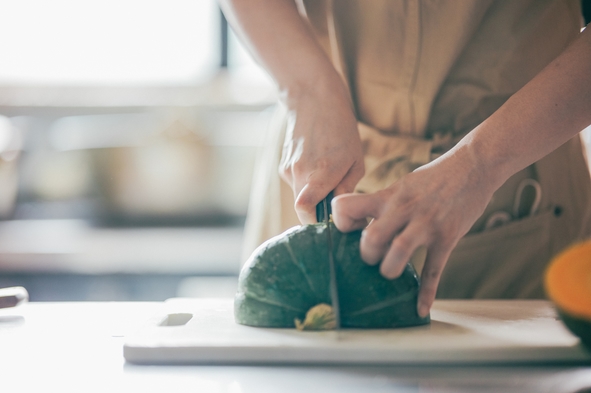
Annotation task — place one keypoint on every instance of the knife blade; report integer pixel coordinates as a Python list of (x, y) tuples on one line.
[(323, 212)]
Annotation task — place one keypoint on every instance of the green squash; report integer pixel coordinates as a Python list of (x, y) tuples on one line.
[(289, 274)]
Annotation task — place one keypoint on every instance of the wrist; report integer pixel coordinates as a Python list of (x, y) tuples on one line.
[(489, 162), (316, 86), (470, 165)]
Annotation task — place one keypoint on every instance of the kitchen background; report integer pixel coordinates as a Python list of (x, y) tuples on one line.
[(129, 132)]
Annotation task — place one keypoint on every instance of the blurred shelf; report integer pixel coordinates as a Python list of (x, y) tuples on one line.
[(58, 287), (75, 246), (225, 90)]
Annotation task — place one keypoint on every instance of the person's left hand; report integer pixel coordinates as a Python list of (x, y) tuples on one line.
[(434, 206)]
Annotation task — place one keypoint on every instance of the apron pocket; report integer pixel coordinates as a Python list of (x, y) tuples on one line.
[(503, 262)]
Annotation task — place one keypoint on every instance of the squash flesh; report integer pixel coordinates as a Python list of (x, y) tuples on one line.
[(568, 280)]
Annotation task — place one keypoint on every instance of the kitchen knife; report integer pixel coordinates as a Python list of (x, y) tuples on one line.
[(323, 214)]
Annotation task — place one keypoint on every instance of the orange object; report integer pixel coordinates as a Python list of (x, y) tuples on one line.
[(568, 285), (568, 280)]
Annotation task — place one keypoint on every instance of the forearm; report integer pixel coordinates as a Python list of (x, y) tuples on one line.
[(322, 151), (283, 44), (544, 114)]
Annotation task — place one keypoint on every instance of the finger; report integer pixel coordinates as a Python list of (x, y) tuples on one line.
[(350, 211), (377, 238), (430, 276), (347, 185), (308, 198), (401, 250)]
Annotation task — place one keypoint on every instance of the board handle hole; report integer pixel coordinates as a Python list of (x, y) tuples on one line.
[(179, 319)]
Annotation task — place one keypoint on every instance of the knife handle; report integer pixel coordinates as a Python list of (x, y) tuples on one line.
[(13, 296), (320, 217)]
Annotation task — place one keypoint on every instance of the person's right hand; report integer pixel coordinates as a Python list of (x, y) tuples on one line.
[(322, 150)]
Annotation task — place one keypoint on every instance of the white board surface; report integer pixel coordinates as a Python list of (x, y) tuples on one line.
[(203, 331)]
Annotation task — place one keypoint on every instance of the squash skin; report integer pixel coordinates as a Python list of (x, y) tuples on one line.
[(579, 326), (289, 274)]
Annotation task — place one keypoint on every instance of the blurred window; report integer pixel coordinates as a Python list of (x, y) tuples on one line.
[(108, 42)]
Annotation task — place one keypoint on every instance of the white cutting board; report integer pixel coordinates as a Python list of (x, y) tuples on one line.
[(461, 331)]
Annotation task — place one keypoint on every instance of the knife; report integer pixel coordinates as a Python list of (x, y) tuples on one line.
[(323, 212)]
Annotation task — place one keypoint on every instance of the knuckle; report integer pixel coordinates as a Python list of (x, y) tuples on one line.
[(298, 169), (302, 203)]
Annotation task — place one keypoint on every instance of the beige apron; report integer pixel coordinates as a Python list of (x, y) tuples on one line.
[(421, 75)]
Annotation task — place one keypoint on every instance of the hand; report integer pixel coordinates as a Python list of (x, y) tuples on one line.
[(322, 150), (434, 206)]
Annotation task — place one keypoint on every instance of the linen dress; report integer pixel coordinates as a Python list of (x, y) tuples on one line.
[(422, 74)]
